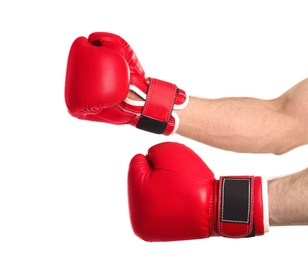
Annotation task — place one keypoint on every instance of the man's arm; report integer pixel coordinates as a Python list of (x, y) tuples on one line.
[(288, 199), (245, 124), (249, 125)]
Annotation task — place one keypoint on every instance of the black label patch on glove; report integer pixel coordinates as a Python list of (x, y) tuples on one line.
[(236, 200)]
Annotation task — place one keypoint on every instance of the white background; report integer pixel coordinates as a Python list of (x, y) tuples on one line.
[(63, 192)]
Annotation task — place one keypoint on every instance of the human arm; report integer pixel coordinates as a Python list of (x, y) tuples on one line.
[(104, 78), (288, 199), (251, 125), (245, 124)]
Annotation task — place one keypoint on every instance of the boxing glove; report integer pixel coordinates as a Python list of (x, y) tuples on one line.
[(101, 70), (173, 195)]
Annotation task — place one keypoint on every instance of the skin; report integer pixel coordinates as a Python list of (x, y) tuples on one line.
[(287, 198), (253, 125)]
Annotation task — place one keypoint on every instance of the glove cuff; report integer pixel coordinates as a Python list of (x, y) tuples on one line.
[(240, 207), (161, 99)]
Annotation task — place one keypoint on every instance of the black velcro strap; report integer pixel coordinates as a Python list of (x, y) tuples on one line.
[(151, 125)]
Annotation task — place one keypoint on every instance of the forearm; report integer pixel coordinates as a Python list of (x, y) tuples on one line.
[(288, 199), (239, 124)]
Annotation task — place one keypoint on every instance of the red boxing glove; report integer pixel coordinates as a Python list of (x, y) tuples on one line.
[(173, 195), (100, 72)]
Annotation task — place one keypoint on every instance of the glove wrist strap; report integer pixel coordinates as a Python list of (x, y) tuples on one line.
[(158, 106)]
